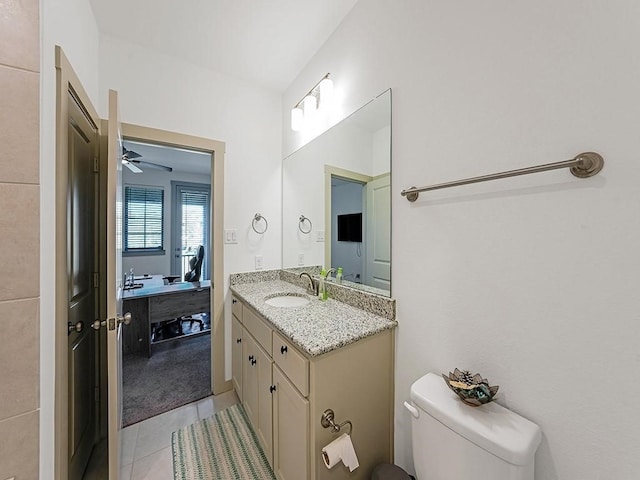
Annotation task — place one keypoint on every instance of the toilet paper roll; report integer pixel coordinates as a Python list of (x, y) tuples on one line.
[(340, 450)]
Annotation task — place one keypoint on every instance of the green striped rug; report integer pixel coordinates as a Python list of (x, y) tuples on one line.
[(222, 447)]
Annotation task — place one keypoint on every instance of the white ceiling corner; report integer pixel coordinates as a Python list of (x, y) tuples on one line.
[(264, 42)]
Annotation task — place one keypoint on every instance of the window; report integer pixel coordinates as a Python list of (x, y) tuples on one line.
[(143, 220)]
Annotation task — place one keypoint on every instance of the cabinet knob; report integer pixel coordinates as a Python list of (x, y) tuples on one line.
[(250, 358), (238, 340), (283, 349), (253, 361), (234, 301), (272, 388)]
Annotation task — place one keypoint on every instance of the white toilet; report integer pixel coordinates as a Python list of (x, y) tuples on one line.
[(453, 441)]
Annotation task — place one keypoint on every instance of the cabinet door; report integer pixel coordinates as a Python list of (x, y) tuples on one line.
[(236, 308), (264, 427), (290, 430), (250, 378), (236, 355)]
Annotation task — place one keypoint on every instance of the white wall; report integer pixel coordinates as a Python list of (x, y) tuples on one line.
[(531, 281), (70, 24)]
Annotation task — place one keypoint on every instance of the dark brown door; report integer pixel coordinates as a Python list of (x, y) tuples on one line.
[(82, 294)]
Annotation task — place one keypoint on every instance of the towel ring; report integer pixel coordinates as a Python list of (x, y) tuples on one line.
[(301, 225), (256, 219)]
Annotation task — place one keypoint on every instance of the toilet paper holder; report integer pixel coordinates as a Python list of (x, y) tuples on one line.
[(327, 421)]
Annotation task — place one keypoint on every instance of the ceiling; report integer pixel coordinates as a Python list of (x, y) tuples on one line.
[(266, 42), (181, 160)]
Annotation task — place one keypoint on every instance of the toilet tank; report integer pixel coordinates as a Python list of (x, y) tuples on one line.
[(454, 441)]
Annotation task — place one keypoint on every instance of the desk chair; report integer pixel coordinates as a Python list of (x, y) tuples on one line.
[(193, 275), (195, 266)]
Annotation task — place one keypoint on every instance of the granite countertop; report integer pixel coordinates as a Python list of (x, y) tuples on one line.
[(316, 328)]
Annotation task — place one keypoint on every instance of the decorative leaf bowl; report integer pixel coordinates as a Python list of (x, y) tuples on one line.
[(472, 389)]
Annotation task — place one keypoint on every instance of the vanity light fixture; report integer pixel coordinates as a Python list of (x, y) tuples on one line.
[(319, 97)]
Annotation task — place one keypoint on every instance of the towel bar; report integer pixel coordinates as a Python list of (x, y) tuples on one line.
[(584, 165)]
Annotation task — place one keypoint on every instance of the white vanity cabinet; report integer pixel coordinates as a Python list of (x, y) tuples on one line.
[(285, 391)]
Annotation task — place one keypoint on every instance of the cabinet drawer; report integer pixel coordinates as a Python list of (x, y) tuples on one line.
[(166, 307), (292, 363), (236, 308), (258, 328)]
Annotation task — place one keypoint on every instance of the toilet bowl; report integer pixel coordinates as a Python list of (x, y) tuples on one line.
[(454, 441)]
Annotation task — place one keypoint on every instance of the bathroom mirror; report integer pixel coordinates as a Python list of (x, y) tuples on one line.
[(336, 199)]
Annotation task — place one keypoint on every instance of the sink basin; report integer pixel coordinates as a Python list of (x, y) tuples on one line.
[(287, 301)]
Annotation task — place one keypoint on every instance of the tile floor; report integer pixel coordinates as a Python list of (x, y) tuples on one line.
[(146, 446)]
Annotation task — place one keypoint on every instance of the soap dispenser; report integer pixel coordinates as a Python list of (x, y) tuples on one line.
[(339, 275), (322, 287)]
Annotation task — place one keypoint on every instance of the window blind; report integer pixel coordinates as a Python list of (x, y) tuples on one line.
[(143, 218)]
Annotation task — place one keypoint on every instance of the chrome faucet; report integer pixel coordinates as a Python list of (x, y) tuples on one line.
[(328, 272), (313, 285)]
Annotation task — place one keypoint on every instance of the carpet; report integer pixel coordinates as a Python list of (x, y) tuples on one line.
[(177, 373), (223, 447)]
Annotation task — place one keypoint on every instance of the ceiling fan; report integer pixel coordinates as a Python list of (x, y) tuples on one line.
[(130, 160)]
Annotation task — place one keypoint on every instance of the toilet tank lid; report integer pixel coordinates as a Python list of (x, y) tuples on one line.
[(492, 427)]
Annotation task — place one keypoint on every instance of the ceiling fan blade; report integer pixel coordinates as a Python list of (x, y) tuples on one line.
[(130, 166), (129, 154), (152, 165)]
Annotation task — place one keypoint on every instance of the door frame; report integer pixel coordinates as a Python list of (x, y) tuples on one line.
[(216, 149), (65, 78)]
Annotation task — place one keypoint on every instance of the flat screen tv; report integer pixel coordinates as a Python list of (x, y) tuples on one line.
[(350, 227)]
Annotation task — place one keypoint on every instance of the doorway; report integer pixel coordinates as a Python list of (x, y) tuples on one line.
[(372, 253), (96, 402), (347, 209), (166, 246), (215, 152)]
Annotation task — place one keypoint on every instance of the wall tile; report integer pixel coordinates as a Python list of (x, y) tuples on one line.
[(19, 447), (19, 357), (20, 34), (20, 240), (19, 125)]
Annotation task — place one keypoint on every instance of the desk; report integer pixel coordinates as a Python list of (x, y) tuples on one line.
[(156, 303)]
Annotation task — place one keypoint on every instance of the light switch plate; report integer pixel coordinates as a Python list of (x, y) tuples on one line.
[(231, 236), (320, 236), (258, 262)]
